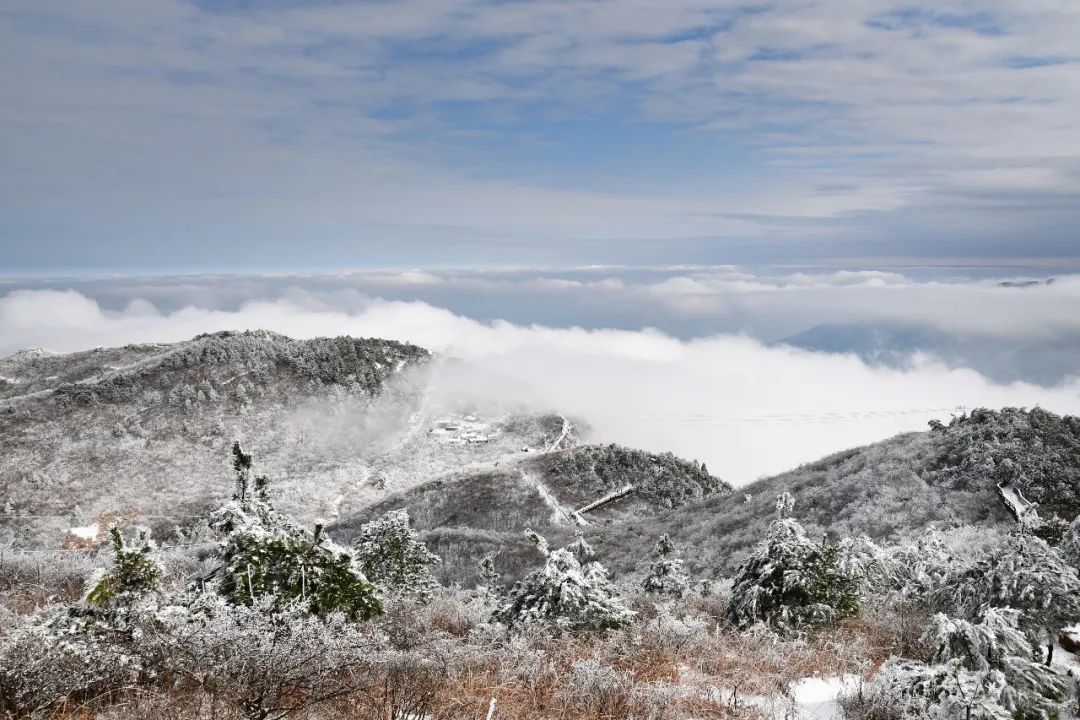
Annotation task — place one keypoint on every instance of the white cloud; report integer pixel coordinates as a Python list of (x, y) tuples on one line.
[(799, 301), (744, 408), (405, 277), (162, 118)]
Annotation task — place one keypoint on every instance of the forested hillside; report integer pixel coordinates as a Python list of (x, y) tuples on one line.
[(377, 554), (1035, 450), (262, 616), (943, 477), (660, 480), (463, 518), (135, 432)]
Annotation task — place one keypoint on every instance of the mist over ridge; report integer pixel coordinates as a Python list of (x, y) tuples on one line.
[(737, 369)]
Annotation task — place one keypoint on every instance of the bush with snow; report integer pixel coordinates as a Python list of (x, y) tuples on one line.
[(982, 669), (790, 582), (392, 556), (570, 591), (265, 554), (1025, 574), (591, 687), (63, 658), (666, 574), (134, 572), (266, 659)]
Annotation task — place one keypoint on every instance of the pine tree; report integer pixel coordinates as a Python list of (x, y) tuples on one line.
[(982, 668), (666, 575), (569, 591), (914, 689), (489, 587), (1030, 576), (114, 594), (83, 648), (134, 572), (393, 557), (790, 582), (265, 554)]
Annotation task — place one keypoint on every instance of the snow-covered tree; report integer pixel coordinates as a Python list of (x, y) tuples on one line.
[(394, 557), (488, 573), (996, 641), (1026, 574), (580, 548), (489, 578), (569, 591), (265, 554), (114, 593), (983, 668), (790, 581), (81, 649), (927, 565), (1070, 544), (133, 574), (785, 505), (871, 565), (666, 575)]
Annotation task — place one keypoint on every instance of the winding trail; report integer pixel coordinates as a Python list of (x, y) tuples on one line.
[(560, 514), (566, 428)]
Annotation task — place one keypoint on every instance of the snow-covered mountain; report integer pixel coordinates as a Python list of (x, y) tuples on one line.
[(347, 429), (142, 432), (891, 490), (633, 559)]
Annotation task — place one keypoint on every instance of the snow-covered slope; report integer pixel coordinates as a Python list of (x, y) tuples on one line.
[(347, 429), (142, 432)]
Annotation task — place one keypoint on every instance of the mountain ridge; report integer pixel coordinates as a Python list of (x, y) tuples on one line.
[(345, 428)]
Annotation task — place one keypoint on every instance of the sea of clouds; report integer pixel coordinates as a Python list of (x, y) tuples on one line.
[(703, 373)]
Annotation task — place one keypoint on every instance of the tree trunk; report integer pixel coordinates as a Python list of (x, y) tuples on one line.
[(1049, 651)]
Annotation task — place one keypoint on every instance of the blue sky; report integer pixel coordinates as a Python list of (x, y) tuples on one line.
[(168, 135)]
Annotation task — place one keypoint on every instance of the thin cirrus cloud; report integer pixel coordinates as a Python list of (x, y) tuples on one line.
[(745, 407), (477, 132)]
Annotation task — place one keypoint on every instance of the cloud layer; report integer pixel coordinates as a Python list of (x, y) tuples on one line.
[(1007, 327), (745, 408)]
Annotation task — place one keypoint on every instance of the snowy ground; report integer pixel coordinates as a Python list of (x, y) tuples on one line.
[(87, 532), (815, 698), (811, 698), (1065, 660)]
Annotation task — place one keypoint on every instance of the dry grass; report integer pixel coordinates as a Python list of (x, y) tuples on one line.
[(31, 580), (448, 663)]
